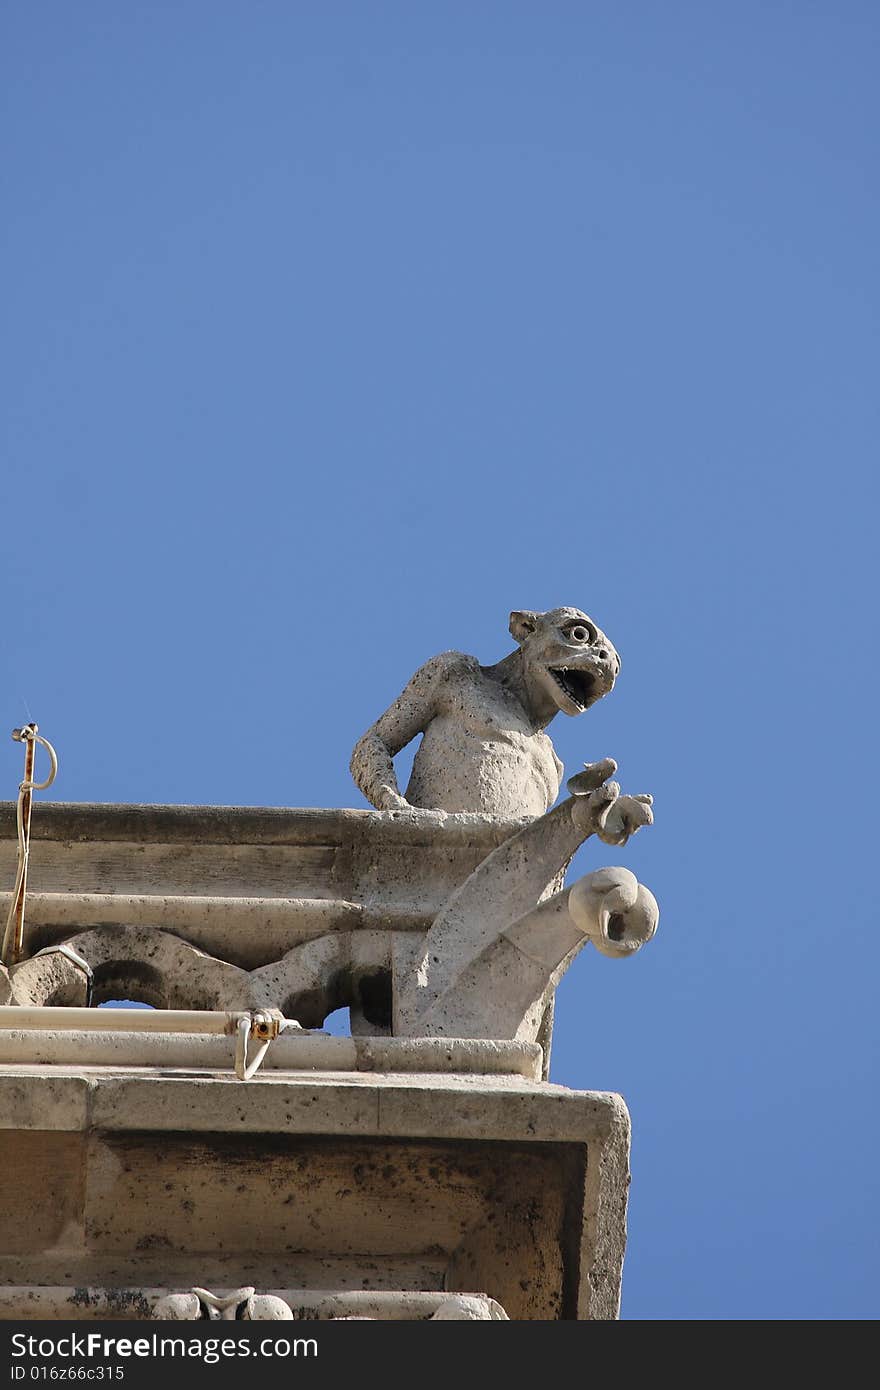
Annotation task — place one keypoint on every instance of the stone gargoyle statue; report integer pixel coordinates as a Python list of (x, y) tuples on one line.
[(493, 956), (483, 745)]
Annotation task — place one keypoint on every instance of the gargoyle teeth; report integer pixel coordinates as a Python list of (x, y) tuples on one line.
[(576, 685)]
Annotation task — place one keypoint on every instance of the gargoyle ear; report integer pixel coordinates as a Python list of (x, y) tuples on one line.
[(522, 624)]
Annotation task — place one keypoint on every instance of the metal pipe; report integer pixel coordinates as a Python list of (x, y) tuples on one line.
[(193, 1051), (292, 1051), (41, 1019)]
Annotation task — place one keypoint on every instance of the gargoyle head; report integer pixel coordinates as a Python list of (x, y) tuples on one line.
[(567, 655)]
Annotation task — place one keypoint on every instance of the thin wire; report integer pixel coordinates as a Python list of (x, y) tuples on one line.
[(11, 942), (9, 933)]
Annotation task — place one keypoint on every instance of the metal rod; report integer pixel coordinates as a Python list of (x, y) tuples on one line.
[(30, 744), (13, 935), (43, 1019), (194, 1051)]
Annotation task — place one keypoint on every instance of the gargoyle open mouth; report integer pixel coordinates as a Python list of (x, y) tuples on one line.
[(579, 686)]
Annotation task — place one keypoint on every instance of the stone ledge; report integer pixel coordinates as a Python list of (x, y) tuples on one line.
[(399, 1182), (251, 825), (501, 1108)]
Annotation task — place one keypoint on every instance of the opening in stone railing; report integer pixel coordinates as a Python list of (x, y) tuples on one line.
[(338, 1024), (123, 1004)]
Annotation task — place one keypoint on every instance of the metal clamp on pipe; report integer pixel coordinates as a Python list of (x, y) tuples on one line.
[(265, 1025)]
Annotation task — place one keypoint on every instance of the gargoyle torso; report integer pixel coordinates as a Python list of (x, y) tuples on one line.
[(480, 752)]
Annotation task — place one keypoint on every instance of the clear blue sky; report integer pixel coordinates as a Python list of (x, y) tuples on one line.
[(333, 331)]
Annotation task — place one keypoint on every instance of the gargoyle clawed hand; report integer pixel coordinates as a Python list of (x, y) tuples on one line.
[(601, 810), (387, 799)]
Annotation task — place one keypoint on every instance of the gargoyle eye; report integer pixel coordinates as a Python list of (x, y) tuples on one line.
[(580, 633)]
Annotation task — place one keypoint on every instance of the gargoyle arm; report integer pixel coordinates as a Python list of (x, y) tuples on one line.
[(372, 762)]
